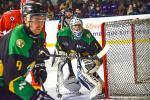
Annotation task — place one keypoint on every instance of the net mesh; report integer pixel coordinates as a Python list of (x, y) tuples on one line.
[(142, 46), (123, 78)]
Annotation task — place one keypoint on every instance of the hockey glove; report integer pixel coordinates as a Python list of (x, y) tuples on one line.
[(58, 60), (43, 54), (90, 66), (40, 73), (72, 53), (41, 95)]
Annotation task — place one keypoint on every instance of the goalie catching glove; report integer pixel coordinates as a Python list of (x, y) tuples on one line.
[(40, 73), (41, 95), (72, 53)]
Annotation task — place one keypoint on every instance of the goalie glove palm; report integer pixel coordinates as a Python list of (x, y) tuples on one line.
[(72, 53)]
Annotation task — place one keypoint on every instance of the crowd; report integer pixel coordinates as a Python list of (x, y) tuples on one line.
[(86, 8)]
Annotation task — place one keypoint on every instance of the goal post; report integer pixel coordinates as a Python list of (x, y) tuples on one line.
[(127, 63)]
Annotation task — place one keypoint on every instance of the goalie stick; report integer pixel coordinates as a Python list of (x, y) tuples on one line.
[(104, 51), (100, 55)]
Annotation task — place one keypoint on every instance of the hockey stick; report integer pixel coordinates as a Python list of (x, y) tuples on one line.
[(43, 88), (54, 58), (104, 51), (41, 83), (100, 55)]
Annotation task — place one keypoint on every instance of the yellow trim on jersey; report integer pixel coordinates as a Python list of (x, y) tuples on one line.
[(11, 84), (1, 68), (31, 67)]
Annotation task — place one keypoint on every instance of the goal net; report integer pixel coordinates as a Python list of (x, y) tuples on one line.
[(127, 63)]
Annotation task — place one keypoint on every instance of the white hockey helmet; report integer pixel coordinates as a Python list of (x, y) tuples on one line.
[(72, 84), (76, 27)]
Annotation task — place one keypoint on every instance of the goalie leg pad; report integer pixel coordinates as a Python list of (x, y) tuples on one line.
[(90, 66), (72, 84), (91, 82), (96, 91), (70, 81), (58, 60)]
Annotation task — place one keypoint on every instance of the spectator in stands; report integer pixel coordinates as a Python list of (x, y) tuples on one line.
[(121, 10), (78, 13), (76, 3), (148, 7), (1, 9), (98, 10), (61, 11), (107, 8), (59, 2), (142, 7), (69, 3), (113, 8), (65, 20), (135, 9), (130, 9), (84, 10), (50, 14), (92, 11)]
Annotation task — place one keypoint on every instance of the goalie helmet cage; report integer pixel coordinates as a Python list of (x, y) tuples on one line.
[(127, 63)]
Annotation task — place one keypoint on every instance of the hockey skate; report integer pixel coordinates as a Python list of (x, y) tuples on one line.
[(98, 97), (68, 86)]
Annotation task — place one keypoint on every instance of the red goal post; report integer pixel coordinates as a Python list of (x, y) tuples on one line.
[(127, 63)]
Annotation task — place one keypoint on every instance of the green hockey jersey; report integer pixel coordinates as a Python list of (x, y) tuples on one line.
[(18, 52), (86, 45)]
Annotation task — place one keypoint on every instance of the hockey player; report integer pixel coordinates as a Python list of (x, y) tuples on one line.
[(65, 20), (10, 20), (20, 50), (77, 41)]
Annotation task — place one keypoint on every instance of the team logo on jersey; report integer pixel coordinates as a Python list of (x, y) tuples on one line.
[(88, 35), (22, 85), (20, 43), (12, 18)]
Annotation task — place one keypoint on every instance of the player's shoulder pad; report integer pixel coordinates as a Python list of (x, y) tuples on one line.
[(87, 30), (64, 30)]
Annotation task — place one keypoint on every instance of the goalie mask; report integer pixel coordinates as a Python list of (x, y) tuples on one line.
[(76, 27)]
